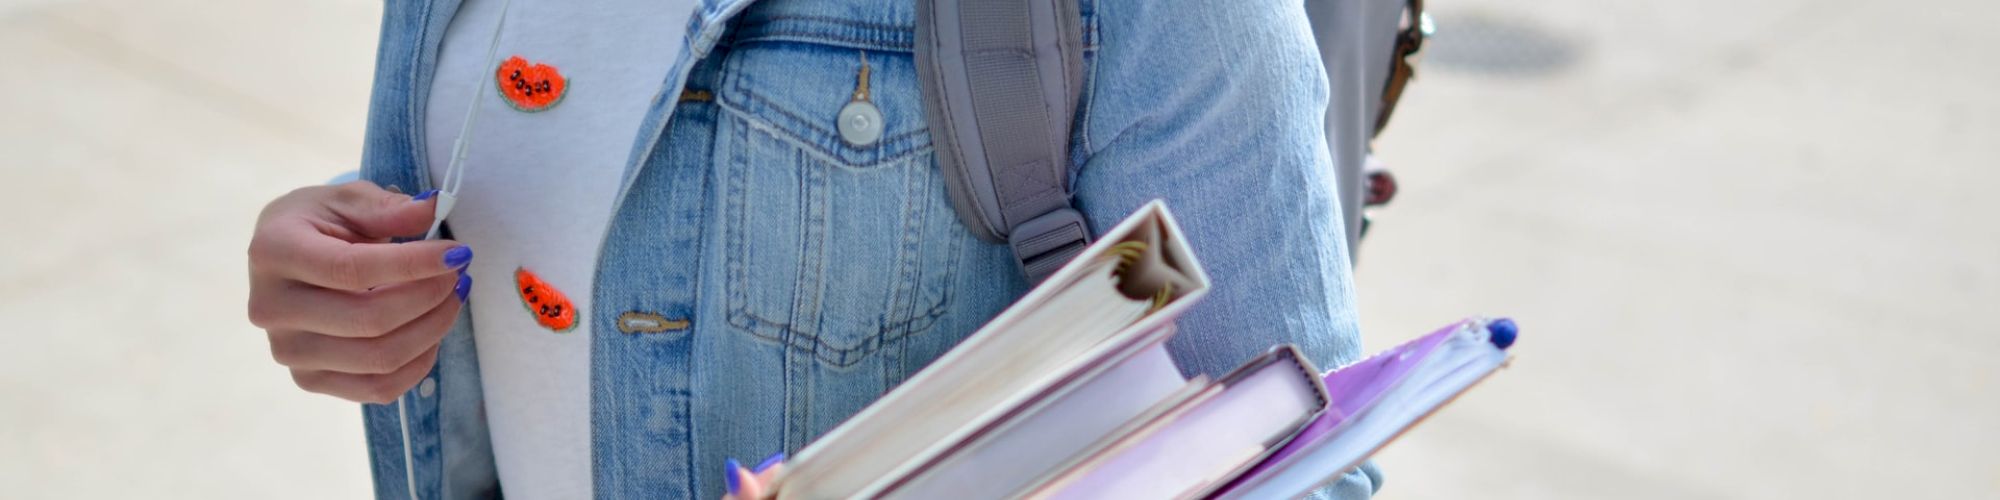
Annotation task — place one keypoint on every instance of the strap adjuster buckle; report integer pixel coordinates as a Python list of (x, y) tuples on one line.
[(1043, 244)]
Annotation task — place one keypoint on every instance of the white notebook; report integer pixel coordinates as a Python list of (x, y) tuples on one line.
[(1118, 297), (1036, 441)]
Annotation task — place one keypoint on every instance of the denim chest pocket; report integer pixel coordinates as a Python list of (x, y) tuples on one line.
[(830, 246)]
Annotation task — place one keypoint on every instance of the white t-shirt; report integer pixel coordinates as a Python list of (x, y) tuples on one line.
[(537, 195)]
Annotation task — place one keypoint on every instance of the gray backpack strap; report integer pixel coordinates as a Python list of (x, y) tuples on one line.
[(1000, 81), (1368, 60)]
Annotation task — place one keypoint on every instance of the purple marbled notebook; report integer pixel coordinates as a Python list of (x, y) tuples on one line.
[(1375, 400)]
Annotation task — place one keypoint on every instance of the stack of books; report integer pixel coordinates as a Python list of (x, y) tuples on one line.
[(1071, 393)]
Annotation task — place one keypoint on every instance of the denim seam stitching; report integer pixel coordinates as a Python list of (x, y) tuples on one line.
[(1090, 87), (800, 36), (804, 142), (885, 151), (810, 296), (785, 333), (903, 298), (864, 25)]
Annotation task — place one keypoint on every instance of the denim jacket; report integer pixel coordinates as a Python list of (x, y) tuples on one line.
[(762, 279)]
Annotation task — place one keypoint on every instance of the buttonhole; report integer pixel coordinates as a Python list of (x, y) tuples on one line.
[(645, 322)]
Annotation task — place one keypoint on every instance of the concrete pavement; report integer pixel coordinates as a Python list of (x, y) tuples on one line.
[(1751, 246)]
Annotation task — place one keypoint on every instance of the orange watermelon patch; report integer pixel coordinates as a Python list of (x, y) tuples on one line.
[(551, 308), (530, 87)]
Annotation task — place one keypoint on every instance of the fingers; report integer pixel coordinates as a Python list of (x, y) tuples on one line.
[(364, 356), (769, 475), (351, 315), (752, 483), (284, 305), (750, 487), (334, 237), (374, 213), (299, 250), (378, 389), (740, 483)]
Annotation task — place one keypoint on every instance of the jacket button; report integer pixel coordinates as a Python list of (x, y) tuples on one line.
[(860, 124), (428, 387)]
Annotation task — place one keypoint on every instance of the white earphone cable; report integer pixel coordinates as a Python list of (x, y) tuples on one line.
[(447, 197)]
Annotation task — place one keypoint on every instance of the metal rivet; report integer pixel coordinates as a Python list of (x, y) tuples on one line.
[(860, 124), (428, 387)]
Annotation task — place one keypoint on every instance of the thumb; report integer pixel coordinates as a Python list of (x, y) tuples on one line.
[(375, 213)]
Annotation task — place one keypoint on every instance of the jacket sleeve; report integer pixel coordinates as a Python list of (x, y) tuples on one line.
[(1216, 107)]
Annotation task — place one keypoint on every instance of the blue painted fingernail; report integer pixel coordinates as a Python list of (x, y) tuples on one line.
[(729, 468), (769, 461), (458, 256), (1503, 332), (463, 287), (424, 195)]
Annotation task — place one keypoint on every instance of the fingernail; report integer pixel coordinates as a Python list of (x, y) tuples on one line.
[(729, 468), (463, 287), (1503, 331), (424, 195), (458, 256), (770, 461)]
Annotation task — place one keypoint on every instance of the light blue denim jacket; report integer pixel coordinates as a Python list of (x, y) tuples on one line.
[(814, 275)]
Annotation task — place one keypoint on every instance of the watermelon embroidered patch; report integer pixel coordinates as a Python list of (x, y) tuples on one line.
[(550, 307), (530, 87)]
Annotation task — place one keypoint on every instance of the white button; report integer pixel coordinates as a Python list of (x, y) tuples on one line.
[(428, 387), (860, 124)]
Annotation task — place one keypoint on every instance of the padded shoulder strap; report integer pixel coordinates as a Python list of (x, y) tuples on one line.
[(1356, 39), (1000, 82)]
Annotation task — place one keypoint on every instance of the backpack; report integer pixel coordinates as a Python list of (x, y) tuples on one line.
[(1001, 78)]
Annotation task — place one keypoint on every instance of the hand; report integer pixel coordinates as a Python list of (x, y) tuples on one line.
[(752, 484), (352, 315)]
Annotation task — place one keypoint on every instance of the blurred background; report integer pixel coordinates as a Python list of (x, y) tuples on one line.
[(1753, 246)]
